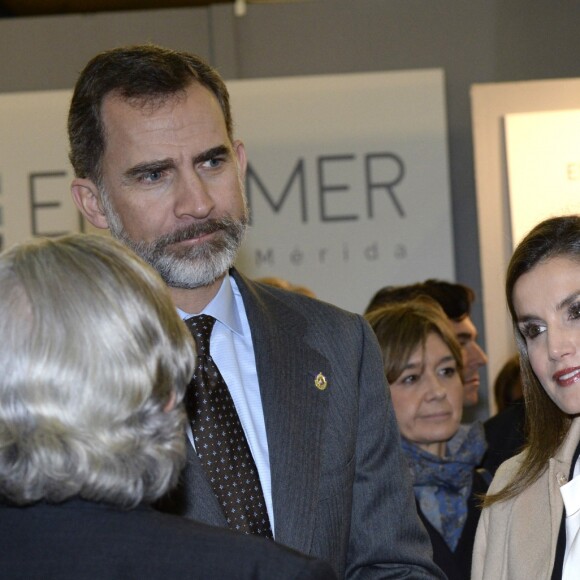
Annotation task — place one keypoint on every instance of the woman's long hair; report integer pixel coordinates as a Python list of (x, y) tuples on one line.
[(546, 424)]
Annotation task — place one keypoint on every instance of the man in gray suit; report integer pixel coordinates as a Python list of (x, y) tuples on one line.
[(156, 163)]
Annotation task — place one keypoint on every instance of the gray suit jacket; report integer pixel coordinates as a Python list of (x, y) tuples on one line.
[(340, 486)]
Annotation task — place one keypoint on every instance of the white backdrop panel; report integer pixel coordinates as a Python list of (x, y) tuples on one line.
[(348, 178), (543, 162), (348, 182)]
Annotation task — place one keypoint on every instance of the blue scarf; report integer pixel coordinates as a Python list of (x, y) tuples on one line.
[(443, 484)]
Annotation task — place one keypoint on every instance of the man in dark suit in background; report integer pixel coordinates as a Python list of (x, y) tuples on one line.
[(156, 163)]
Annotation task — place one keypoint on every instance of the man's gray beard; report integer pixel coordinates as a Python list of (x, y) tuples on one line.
[(192, 266)]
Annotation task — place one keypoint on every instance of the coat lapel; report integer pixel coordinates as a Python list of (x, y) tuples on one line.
[(294, 409), (193, 496), (559, 472)]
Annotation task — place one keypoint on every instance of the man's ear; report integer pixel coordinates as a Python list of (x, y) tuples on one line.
[(85, 194), (240, 152), (170, 405)]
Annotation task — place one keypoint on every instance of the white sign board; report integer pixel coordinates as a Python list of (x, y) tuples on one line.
[(543, 161), (348, 181), (348, 178), (492, 105)]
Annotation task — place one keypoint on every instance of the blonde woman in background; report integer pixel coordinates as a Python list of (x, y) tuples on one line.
[(423, 364)]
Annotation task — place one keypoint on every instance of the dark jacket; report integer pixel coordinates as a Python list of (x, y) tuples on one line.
[(457, 565), (505, 436), (80, 540)]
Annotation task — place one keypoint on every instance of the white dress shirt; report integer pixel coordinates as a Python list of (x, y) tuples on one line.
[(571, 496), (232, 350)]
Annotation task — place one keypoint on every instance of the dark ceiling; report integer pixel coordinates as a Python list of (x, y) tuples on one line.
[(44, 7)]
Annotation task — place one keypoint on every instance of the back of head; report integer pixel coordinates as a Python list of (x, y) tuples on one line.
[(142, 74), (93, 356), (454, 299), (402, 326), (284, 284), (276, 282)]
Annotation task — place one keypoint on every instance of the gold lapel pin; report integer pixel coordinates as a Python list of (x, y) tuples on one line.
[(320, 382)]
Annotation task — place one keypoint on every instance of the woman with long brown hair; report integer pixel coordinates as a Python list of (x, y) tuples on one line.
[(530, 516)]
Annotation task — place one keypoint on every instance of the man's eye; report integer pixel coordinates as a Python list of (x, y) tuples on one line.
[(214, 162), (152, 176)]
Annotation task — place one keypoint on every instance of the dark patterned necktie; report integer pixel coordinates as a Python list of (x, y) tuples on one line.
[(220, 441)]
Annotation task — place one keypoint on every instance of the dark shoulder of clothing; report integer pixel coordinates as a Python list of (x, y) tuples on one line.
[(457, 564), (80, 540), (505, 436)]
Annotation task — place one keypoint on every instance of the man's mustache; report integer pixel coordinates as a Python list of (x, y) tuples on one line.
[(192, 231)]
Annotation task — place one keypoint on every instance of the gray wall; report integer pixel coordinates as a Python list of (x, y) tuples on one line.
[(474, 42)]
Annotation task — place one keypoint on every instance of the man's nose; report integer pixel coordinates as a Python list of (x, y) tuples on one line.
[(475, 355), (192, 197)]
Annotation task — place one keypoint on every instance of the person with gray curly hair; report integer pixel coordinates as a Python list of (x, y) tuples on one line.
[(95, 362)]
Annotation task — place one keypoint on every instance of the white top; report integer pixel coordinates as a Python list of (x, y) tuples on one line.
[(571, 496)]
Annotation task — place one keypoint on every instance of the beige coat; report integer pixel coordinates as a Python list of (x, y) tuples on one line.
[(516, 539)]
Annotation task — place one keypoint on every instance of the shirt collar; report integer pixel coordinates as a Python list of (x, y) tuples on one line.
[(223, 307)]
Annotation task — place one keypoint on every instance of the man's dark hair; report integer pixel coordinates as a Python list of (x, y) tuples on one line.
[(455, 299), (143, 75)]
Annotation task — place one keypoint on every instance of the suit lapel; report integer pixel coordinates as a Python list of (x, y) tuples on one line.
[(294, 410), (193, 496)]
